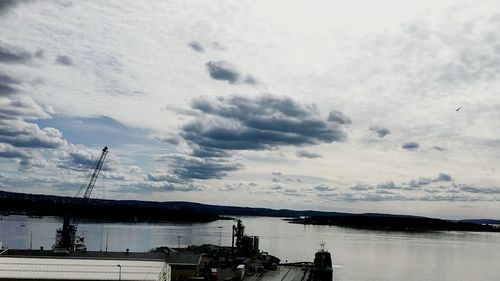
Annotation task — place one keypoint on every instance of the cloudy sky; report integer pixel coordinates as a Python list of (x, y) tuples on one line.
[(332, 105)]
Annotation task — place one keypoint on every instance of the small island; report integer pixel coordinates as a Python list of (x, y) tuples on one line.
[(396, 223)]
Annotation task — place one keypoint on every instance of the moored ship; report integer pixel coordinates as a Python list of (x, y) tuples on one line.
[(322, 269)]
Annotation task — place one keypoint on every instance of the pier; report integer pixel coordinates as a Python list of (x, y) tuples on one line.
[(283, 273)]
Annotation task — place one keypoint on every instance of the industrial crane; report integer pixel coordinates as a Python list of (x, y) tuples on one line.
[(66, 238)]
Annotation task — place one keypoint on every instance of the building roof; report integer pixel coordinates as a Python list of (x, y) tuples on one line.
[(176, 258), (53, 268)]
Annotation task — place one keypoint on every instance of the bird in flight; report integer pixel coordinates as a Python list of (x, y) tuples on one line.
[(458, 109)]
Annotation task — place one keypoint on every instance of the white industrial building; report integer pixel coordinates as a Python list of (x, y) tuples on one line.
[(63, 268)]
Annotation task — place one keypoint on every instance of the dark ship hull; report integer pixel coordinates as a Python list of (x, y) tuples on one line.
[(322, 269)]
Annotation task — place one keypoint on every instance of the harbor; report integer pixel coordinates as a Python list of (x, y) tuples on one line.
[(243, 260), (356, 254), (69, 259)]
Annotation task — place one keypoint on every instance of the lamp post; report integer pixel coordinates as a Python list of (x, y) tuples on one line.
[(120, 272), (220, 235), (107, 236)]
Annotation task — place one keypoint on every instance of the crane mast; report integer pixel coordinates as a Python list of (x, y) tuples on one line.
[(66, 238), (97, 170)]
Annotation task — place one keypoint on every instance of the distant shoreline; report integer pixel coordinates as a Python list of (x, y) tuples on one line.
[(105, 210), (396, 223), (35, 205)]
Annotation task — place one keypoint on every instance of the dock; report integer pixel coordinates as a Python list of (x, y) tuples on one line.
[(283, 273)]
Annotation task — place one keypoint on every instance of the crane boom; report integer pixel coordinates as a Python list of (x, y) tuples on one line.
[(66, 238), (97, 169)]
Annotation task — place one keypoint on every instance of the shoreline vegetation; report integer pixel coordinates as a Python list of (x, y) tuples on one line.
[(37, 205), (396, 223)]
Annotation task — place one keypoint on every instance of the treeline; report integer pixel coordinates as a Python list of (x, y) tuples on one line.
[(97, 209), (38, 204), (395, 222), (148, 211)]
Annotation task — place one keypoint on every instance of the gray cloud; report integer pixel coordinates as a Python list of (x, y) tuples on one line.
[(64, 60), (77, 158), (9, 151), (134, 169), (188, 168), (163, 178), (389, 191), (113, 176), (228, 187), (16, 131), (439, 148), (40, 53), (324, 188), (307, 154), (21, 109), (339, 117), (432, 191), (170, 182), (229, 124), (482, 190), (361, 187), (225, 71), (162, 157), (7, 85), (410, 146), (209, 152), (11, 55), (18, 136), (217, 46), (277, 187), (292, 192), (293, 180), (222, 70), (384, 191), (380, 197), (168, 139), (196, 46), (22, 134), (148, 186), (419, 182), (5, 79), (415, 183), (25, 140), (258, 123), (380, 131), (411, 185), (6, 5), (80, 158), (238, 186), (27, 164), (443, 177), (249, 79), (388, 185)]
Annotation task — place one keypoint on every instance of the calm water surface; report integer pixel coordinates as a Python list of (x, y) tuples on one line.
[(360, 255)]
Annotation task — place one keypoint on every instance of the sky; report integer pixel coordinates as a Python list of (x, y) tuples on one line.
[(354, 106)]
